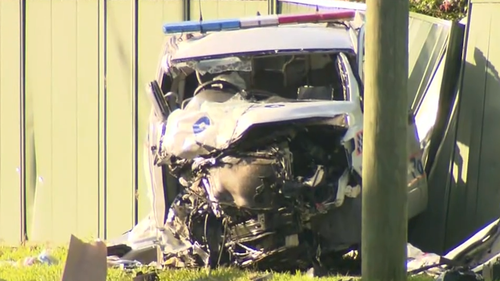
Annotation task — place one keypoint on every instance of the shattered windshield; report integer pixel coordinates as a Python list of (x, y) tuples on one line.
[(308, 76)]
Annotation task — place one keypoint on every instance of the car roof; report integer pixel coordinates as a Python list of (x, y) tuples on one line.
[(264, 39)]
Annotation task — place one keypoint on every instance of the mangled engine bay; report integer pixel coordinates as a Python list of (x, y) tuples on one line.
[(272, 200)]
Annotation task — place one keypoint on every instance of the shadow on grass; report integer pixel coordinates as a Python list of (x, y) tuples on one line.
[(226, 274), (223, 273)]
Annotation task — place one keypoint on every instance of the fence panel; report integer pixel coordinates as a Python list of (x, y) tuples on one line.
[(488, 193), (63, 120), (11, 213), (39, 101), (87, 94), (474, 191), (62, 78), (427, 44), (120, 116)]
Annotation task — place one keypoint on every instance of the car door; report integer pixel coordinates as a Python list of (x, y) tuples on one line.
[(417, 180), (154, 174), (355, 131)]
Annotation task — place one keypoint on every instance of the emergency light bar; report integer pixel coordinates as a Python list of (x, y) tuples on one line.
[(258, 21)]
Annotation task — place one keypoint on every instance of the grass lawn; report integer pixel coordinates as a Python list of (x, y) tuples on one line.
[(53, 272)]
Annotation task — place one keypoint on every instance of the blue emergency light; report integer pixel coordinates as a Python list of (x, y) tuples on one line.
[(258, 21)]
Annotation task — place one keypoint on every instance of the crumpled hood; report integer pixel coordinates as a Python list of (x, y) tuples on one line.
[(200, 129), (196, 131)]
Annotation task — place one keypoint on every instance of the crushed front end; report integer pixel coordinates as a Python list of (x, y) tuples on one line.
[(272, 200)]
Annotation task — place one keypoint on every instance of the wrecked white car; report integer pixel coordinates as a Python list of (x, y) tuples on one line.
[(255, 142)]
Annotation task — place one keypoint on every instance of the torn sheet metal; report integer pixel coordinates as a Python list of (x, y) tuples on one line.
[(418, 261), (480, 248), (471, 260)]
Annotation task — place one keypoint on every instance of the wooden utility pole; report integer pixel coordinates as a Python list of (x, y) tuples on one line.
[(385, 155)]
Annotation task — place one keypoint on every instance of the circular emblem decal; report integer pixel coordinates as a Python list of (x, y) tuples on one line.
[(201, 125)]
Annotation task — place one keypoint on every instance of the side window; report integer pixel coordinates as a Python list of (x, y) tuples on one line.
[(166, 83), (344, 76), (353, 87)]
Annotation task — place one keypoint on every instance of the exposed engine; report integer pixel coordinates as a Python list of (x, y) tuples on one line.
[(271, 200)]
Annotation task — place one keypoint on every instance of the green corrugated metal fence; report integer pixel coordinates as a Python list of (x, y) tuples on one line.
[(465, 181), (474, 177), (11, 205), (73, 111)]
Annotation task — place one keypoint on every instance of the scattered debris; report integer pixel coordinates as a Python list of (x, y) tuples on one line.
[(420, 262), (43, 258), (491, 270), (85, 261), (114, 261), (457, 275)]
